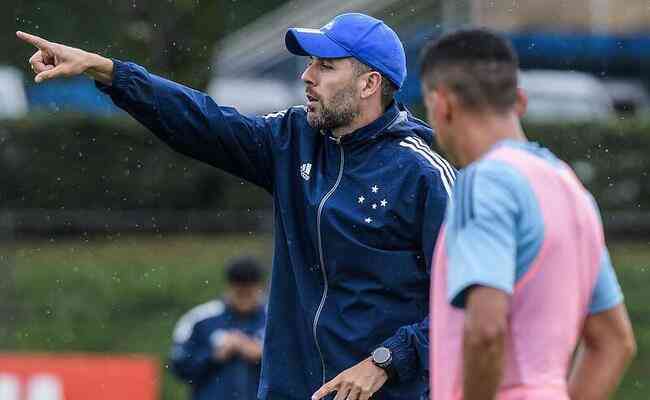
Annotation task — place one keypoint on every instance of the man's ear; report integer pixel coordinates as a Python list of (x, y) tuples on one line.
[(521, 104), (429, 100), (446, 104), (370, 84)]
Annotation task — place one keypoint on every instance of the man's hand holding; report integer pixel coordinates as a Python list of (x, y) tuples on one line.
[(248, 347), (228, 345), (54, 60), (359, 382)]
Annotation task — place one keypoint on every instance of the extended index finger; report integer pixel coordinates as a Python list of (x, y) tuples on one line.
[(329, 387), (32, 39)]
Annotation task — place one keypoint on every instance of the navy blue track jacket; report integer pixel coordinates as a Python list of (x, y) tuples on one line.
[(355, 226), (196, 339)]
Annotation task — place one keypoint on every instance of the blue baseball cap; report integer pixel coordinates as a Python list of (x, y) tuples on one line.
[(363, 37)]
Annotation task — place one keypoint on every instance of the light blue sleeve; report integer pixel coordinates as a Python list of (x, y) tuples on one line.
[(607, 293), (481, 244)]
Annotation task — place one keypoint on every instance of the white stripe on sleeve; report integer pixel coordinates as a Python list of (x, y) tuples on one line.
[(443, 177)]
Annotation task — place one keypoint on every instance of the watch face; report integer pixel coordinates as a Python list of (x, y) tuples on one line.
[(381, 355)]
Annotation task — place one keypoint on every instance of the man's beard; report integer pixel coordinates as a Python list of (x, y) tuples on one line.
[(340, 111)]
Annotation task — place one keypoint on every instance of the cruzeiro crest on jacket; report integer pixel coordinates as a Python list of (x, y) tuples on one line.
[(372, 202), (305, 170)]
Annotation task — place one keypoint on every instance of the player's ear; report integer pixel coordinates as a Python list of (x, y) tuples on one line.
[(427, 96), (445, 104), (521, 103)]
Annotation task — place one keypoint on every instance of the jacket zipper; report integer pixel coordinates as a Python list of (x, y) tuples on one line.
[(320, 253)]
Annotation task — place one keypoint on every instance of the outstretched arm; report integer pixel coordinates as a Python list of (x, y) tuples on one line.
[(186, 119)]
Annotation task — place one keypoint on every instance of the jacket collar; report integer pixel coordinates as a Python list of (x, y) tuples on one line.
[(370, 131)]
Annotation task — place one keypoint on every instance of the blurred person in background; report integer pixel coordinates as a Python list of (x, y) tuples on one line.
[(218, 345), (522, 274), (358, 196)]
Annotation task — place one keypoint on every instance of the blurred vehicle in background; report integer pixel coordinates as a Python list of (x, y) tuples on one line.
[(71, 95), (13, 101), (629, 96), (565, 96), (255, 95)]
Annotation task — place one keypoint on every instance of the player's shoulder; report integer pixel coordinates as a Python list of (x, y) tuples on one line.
[(515, 163), (187, 323), (492, 171), (492, 179), (490, 167)]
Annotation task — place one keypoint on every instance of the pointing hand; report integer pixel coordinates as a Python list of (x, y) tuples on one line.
[(54, 60)]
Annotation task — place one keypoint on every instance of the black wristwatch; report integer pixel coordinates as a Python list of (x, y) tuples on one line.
[(383, 358)]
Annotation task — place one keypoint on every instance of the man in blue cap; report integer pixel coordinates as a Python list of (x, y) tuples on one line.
[(358, 196)]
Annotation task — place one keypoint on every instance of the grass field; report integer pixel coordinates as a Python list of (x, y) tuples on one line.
[(124, 294)]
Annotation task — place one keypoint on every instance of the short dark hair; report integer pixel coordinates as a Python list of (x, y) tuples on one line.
[(388, 88), (478, 65), (244, 271)]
